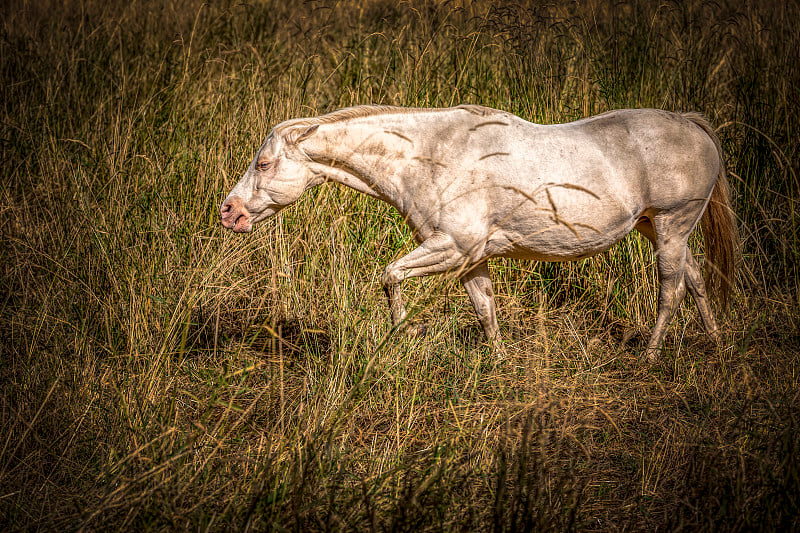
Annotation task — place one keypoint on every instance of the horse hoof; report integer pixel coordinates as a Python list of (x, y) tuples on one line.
[(416, 330), (500, 350), (652, 355)]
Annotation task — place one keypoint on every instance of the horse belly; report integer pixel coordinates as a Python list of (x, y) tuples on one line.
[(561, 237)]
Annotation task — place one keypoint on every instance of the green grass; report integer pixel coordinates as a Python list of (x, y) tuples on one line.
[(158, 372)]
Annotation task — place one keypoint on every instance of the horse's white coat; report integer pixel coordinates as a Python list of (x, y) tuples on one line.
[(475, 183)]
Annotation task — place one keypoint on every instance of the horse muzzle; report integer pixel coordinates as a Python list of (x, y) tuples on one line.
[(235, 215)]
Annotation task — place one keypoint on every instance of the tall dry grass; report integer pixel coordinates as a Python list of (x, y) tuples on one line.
[(160, 373)]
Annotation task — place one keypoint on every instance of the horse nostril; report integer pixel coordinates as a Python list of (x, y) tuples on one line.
[(225, 209)]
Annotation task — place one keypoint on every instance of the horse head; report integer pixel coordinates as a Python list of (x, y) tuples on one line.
[(277, 177)]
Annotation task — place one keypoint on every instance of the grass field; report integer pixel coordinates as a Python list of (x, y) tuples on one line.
[(160, 373)]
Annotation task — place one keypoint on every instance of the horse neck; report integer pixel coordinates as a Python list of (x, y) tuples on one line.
[(363, 149)]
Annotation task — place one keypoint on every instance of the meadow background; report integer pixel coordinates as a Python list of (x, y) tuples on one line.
[(158, 372)]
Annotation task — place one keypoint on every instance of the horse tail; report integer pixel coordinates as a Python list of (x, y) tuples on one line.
[(720, 234)]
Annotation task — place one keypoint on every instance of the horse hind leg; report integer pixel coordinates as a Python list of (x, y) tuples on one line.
[(671, 245), (693, 280), (697, 288)]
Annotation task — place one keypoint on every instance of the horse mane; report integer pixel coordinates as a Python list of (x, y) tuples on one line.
[(350, 113)]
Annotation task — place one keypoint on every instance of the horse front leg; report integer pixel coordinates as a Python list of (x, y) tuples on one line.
[(438, 253), (478, 285), (394, 294)]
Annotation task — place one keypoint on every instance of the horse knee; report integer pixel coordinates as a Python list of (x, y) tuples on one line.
[(391, 275)]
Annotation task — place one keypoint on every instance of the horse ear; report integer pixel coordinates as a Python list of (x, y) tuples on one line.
[(294, 138)]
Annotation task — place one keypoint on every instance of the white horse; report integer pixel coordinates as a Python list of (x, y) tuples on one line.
[(475, 183)]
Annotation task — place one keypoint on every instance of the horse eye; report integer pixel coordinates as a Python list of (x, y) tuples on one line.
[(264, 165)]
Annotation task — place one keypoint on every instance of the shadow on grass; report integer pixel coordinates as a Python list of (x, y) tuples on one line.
[(207, 332), (529, 486)]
